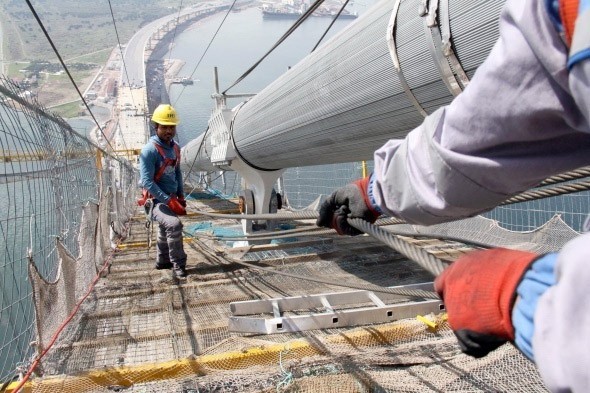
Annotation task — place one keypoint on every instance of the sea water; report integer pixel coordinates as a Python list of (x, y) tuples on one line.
[(242, 40)]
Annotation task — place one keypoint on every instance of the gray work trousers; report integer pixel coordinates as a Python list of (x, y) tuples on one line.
[(169, 243)]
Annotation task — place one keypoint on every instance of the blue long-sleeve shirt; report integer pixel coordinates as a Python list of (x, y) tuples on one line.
[(150, 161)]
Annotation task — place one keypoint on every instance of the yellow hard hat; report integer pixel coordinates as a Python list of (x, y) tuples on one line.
[(165, 114)]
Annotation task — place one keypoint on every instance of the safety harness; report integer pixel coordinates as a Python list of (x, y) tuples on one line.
[(147, 199), (166, 162)]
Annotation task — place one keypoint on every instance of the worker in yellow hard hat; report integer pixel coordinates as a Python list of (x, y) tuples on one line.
[(161, 179)]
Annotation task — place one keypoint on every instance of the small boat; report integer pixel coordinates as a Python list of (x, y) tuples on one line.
[(183, 81)]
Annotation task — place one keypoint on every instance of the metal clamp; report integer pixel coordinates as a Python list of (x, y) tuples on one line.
[(393, 52), (444, 57)]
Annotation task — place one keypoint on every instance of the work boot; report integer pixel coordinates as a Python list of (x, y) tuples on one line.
[(180, 272), (163, 265)]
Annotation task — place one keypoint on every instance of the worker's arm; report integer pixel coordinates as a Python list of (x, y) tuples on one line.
[(540, 303), (180, 186), (523, 118), (515, 124), (560, 332), (147, 169)]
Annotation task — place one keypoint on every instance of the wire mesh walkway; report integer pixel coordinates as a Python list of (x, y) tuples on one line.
[(143, 330)]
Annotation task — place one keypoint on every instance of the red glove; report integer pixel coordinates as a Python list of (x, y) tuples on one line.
[(175, 205), (479, 290), (350, 201), (182, 201)]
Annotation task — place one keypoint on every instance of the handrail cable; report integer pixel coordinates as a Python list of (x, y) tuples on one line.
[(330, 26), (426, 260), (310, 230), (207, 48), (297, 23), (525, 196), (60, 122), (548, 192), (567, 176), (120, 48), (68, 72)]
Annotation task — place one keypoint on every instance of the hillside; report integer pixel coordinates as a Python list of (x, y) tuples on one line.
[(83, 33), (77, 27)]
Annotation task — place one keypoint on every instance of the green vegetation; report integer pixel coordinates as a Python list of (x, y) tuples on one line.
[(98, 57), (77, 27), (83, 33), (36, 66), (13, 70), (69, 110)]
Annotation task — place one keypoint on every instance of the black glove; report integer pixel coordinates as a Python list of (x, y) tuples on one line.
[(351, 201)]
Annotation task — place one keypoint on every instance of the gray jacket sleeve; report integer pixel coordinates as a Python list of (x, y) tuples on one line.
[(516, 123), (561, 339)]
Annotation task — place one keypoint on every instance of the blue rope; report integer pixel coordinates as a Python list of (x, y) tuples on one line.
[(286, 375)]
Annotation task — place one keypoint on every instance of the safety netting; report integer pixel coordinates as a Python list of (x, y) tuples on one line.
[(143, 330), (62, 197)]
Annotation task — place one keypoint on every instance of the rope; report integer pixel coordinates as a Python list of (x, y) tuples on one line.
[(311, 231), (174, 34), (287, 375), (302, 215), (149, 226), (198, 152), (414, 293), (120, 48), (426, 260), (568, 176), (267, 236), (206, 49), (330, 26), (532, 195)]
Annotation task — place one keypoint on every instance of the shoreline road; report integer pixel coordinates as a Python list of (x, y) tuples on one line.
[(135, 49), (131, 128)]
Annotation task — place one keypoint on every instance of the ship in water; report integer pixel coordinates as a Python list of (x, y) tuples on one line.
[(183, 81), (294, 10)]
